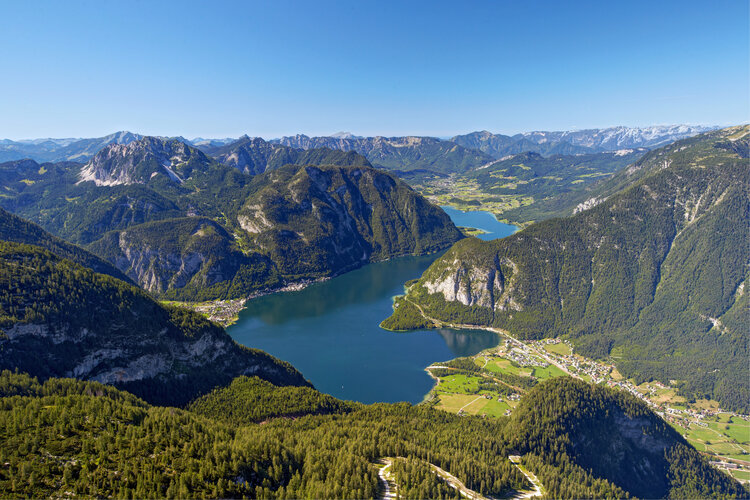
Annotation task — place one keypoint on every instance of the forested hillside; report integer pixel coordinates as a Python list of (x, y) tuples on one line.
[(654, 277), (17, 230), (566, 427), (58, 319), (189, 258), (319, 221), (89, 439)]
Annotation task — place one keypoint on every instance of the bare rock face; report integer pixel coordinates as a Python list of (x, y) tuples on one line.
[(188, 256), (486, 286), (140, 161)]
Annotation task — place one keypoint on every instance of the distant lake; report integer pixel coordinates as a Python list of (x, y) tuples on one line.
[(481, 220), (329, 331)]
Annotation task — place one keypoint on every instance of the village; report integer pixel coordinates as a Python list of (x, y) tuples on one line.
[(722, 435)]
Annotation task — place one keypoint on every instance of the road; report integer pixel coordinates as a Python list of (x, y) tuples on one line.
[(499, 332)]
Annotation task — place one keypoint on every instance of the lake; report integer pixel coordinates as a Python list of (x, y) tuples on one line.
[(481, 220), (329, 330)]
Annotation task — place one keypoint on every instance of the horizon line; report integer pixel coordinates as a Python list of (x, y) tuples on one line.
[(441, 137)]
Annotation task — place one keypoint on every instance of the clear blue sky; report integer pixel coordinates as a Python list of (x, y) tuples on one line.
[(215, 69)]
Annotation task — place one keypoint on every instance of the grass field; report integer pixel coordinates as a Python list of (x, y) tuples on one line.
[(722, 438), (473, 404), (454, 402), (459, 384), (738, 432), (668, 396), (561, 349), (501, 365), (743, 475), (547, 372)]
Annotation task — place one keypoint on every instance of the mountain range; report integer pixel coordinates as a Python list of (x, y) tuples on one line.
[(577, 141), (651, 273), (186, 226), (255, 156), (395, 153)]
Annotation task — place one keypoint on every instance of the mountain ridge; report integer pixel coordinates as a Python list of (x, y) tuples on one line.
[(578, 141), (187, 227), (70, 321), (614, 277)]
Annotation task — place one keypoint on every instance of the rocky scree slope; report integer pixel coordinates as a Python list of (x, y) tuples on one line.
[(140, 161)]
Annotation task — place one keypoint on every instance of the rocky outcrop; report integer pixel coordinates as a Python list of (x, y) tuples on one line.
[(486, 286), (191, 258), (140, 161)]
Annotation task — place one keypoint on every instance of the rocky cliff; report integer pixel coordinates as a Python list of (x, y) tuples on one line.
[(140, 161), (192, 258)]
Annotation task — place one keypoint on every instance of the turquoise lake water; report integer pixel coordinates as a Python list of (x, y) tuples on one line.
[(330, 331), (482, 220)]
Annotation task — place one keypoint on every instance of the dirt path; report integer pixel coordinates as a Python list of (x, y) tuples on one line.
[(457, 484), (389, 490), (537, 492)]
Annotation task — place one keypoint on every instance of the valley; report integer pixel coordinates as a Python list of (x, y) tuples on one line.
[(612, 279), (525, 188), (334, 250), (320, 312)]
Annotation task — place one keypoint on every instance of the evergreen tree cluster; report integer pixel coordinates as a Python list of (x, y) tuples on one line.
[(54, 314), (416, 480), (68, 437)]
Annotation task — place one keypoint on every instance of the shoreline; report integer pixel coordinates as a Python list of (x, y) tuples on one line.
[(225, 312)]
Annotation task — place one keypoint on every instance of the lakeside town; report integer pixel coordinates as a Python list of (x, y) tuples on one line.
[(722, 435)]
